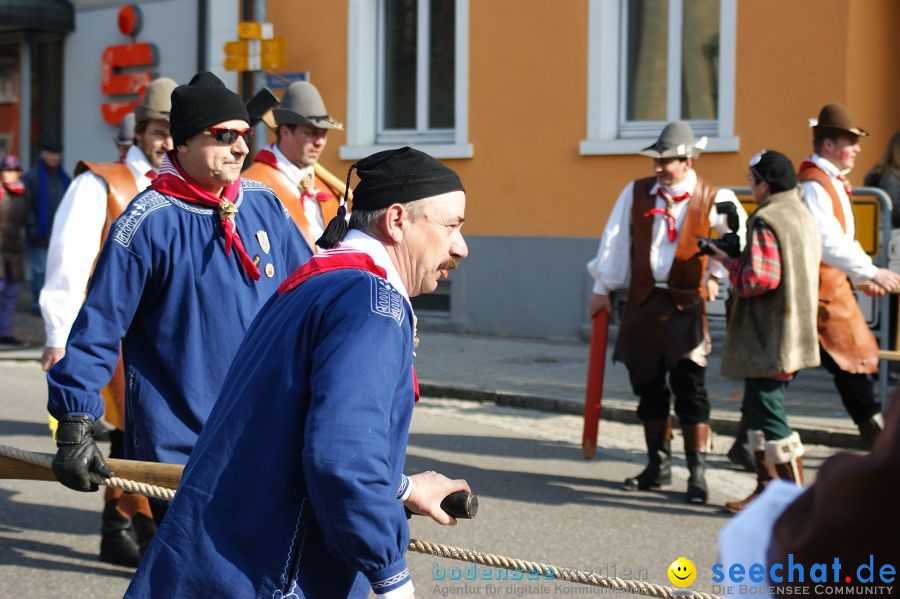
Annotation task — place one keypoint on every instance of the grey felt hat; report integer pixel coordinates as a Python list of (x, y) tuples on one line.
[(302, 105), (676, 141), (157, 103), (125, 135)]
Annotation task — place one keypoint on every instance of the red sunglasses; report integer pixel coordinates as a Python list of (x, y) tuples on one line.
[(229, 136)]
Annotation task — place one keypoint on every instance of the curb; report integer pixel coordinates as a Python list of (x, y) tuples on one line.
[(617, 413)]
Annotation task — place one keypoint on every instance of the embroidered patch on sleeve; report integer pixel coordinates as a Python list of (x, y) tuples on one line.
[(131, 220), (387, 301)]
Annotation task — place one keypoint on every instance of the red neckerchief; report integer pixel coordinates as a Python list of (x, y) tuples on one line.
[(338, 259), (808, 164), (173, 181), (667, 211), (268, 158)]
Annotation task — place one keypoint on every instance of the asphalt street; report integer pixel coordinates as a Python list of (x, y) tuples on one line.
[(539, 501)]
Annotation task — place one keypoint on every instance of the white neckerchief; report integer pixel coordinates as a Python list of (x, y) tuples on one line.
[(138, 164), (367, 244)]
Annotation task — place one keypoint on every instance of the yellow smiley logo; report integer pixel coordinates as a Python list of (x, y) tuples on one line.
[(682, 572)]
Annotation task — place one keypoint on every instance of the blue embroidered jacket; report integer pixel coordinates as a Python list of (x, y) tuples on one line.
[(164, 286), (292, 488)]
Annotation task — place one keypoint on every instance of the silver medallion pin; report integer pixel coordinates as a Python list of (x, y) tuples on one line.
[(263, 238)]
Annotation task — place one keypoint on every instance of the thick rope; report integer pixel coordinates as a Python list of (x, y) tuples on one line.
[(129, 486), (426, 547), (548, 571)]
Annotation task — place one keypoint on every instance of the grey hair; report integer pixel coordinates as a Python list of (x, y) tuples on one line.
[(368, 221)]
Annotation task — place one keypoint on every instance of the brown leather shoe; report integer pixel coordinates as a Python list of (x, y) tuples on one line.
[(764, 473)]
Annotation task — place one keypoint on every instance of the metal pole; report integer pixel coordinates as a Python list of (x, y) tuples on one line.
[(261, 132), (884, 304)]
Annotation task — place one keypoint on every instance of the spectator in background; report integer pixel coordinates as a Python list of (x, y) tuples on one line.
[(13, 212), (45, 184)]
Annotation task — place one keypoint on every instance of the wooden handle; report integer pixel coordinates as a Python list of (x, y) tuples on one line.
[(332, 181), (151, 473), (461, 505)]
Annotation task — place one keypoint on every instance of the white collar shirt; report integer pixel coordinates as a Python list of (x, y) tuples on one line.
[(296, 174), (839, 247)]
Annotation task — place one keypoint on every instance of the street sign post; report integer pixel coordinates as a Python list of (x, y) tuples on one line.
[(256, 50)]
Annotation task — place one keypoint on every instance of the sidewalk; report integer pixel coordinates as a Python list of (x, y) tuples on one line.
[(551, 376)]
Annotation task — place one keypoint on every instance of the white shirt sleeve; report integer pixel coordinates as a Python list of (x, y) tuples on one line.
[(612, 265), (719, 222), (74, 245), (838, 249)]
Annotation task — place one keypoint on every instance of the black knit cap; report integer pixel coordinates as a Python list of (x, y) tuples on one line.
[(202, 103), (391, 177), (775, 169)]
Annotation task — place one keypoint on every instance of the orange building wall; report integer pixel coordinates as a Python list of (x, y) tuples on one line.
[(528, 98)]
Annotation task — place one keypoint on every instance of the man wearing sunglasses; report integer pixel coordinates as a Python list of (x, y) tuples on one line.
[(181, 276), (291, 166), (99, 193)]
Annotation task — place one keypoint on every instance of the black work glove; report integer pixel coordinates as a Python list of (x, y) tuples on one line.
[(78, 455)]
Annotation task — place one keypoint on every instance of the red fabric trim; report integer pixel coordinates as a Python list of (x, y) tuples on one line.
[(267, 157), (329, 260), (416, 384), (187, 189), (670, 221)]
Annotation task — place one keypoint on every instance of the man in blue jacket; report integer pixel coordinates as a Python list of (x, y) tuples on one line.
[(180, 278), (295, 488)]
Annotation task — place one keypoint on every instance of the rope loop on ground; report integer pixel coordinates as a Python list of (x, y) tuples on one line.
[(415, 545)]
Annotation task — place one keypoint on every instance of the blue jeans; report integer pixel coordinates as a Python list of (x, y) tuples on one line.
[(38, 258)]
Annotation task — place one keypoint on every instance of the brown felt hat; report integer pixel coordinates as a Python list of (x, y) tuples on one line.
[(676, 141), (835, 120)]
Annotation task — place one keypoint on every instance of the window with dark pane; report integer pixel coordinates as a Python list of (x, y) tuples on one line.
[(700, 60), (400, 38), (647, 48), (442, 65)]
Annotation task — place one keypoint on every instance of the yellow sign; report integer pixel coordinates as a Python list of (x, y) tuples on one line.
[(252, 47), (259, 62), (866, 214), (252, 30)]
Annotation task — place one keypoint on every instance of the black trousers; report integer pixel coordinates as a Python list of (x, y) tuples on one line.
[(687, 381), (856, 390)]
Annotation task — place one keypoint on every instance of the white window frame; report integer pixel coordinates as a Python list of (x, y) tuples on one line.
[(607, 131), (364, 131)]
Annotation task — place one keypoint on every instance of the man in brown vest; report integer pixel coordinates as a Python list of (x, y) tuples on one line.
[(291, 166), (848, 348), (99, 193), (772, 329), (651, 240)]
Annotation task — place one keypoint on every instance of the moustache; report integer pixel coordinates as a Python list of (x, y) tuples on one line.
[(449, 264)]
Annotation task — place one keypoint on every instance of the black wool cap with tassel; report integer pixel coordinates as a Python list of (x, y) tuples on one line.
[(391, 177)]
